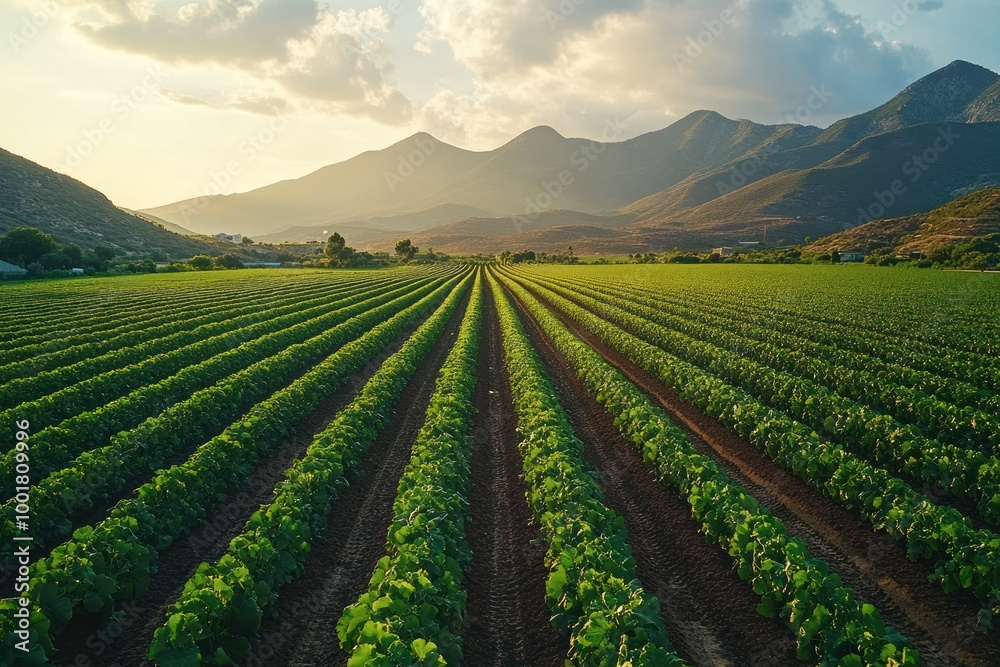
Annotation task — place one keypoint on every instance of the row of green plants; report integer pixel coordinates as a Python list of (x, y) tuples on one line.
[(961, 556), (55, 447), (415, 602), (216, 618), (831, 625), (938, 325), (873, 333), (593, 591), (964, 472), (48, 353), (115, 560), (789, 336), (58, 315), (178, 334), (98, 474), (51, 402)]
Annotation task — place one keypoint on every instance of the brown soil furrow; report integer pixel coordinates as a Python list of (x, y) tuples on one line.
[(126, 641), (507, 622), (341, 564), (709, 613), (942, 627)]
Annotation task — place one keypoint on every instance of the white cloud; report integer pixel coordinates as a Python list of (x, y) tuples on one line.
[(568, 63), (659, 59), (331, 60)]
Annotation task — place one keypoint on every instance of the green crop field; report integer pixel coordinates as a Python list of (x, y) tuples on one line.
[(447, 464)]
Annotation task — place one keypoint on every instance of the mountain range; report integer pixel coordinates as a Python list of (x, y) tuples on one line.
[(71, 212), (703, 181)]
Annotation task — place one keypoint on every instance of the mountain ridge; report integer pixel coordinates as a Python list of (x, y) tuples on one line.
[(72, 212), (971, 215), (703, 180)]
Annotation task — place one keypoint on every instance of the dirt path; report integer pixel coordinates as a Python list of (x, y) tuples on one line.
[(709, 613), (125, 641), (507, 619), (340, 565), (942, 627)]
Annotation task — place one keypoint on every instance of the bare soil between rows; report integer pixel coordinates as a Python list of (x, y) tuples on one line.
[(338, 569), (709, 613), (941, 627), (125, 641), (507, 621)]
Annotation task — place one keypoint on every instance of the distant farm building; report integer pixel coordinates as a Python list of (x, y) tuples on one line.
[(8, 269), (723, 251), (262, 265), (76, 272), (851, 256)]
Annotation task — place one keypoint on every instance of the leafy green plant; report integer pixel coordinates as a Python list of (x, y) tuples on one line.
[(962, 556), (217, 616), (415, 601), (114, 560), (595, 596), (831, 624), (98, 473)]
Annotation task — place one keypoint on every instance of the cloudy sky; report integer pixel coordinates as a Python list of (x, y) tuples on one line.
[(152, 100)]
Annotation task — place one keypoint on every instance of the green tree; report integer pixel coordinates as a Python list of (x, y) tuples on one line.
[(229, 261), (105, 252), (334, 245), (247, 241), (74, 253), (346, 255), (405, 250), (200, 262), (25, 245), (51, 261)]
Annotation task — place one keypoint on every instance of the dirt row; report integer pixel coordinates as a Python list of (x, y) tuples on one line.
[(709, 613), (338, 569), (942, 627), (507, 620)]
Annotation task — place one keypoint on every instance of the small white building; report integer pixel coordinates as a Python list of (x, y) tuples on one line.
[(76, 272), (851, 256), (724, 251)]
